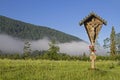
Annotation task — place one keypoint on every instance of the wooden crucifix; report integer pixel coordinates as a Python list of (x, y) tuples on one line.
[(93, 25)]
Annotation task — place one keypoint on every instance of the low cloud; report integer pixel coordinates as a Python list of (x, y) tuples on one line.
[(74, 48), (9, 44), (40, 44), (13, 45)]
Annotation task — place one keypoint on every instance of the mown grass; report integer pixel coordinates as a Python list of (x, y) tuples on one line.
[(57, 70)]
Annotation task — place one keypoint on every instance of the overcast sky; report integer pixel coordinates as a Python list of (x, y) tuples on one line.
[(64, 15)]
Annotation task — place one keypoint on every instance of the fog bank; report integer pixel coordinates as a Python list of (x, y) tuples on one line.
[(9, 44), (13, 45)]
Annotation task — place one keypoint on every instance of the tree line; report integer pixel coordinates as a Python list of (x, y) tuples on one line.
[(53, 53), (32, 32)]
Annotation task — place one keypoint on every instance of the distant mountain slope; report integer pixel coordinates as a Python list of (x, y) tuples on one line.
[(24, 30)]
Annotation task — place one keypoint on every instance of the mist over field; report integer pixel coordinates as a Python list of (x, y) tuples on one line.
[(9, 44), (13, 45)]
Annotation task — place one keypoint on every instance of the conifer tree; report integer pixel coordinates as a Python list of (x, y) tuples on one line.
[(27, 49), (53, 50), (112, 43)]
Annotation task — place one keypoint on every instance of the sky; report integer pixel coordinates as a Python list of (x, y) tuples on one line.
[(64, 15)]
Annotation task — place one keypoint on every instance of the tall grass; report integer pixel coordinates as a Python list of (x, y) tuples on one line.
[(57, 70)]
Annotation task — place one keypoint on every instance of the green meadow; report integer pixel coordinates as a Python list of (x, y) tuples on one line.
[(58, 70)]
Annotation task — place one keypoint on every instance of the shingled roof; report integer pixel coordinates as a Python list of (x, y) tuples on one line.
[(92, 15)]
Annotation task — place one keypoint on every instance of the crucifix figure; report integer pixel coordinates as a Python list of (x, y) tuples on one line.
[(93, 24)]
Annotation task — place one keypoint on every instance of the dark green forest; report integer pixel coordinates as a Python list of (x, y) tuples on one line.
[(29, 31)]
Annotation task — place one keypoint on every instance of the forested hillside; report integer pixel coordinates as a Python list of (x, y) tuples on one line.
[(29, 31)]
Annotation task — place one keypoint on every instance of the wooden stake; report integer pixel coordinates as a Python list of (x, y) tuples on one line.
[(92, 58)]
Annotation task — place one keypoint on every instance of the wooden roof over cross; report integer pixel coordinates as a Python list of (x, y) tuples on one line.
[(90, 16)]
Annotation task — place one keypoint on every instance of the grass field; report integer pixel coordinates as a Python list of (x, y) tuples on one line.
[(58, 70)]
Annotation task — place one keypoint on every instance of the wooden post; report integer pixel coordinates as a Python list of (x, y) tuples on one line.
[(93, 64), (92, 58)]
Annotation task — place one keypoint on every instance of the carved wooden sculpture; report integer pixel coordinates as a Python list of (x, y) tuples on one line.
[(93, 25)]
